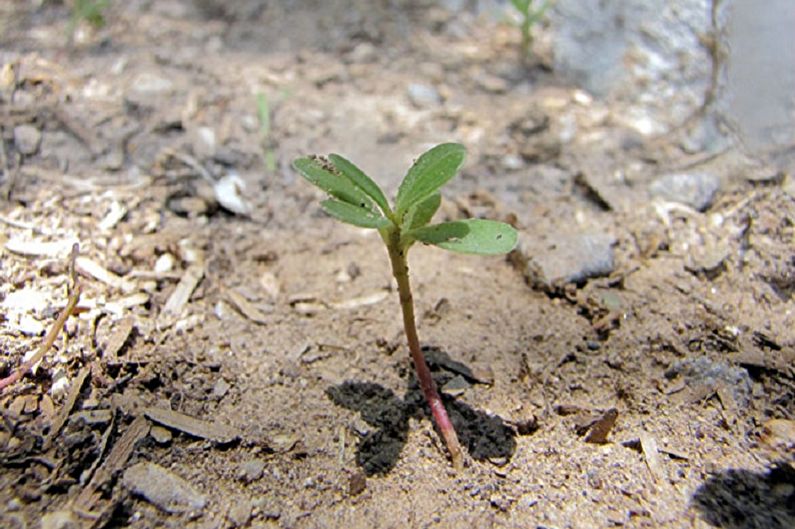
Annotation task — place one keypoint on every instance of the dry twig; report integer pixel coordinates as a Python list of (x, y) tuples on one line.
[(49, 340)]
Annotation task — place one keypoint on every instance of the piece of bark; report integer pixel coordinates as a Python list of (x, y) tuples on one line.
[(212, 431), (601, 428)]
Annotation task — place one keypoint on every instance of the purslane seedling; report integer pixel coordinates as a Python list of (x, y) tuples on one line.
[(356, 199), (530, 17)]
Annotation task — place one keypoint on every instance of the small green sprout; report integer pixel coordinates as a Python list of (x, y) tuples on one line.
[(90, 11), (265, 139), (530, 17), (356, 199)]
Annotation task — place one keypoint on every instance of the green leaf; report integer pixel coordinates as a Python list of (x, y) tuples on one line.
[(352, 214), (360, 180), (430, 172), (478, 236), (421, 214), (324, 175)]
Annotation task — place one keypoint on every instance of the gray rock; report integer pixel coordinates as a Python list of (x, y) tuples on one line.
[(59, 520), (163, 488), (251, 470), (704, 371), (423, 95), (692, 189), (221, 388), (240, 513), (646, 54), (27, 139), (567, 259)]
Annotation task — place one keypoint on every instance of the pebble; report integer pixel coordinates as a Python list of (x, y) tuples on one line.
[(251, 470), (363, 52), (63, 519), (703, 371), (569, 259), (163, 488), (160, 435), (240, 513), (423, 96), (204, 143), (230, 192), (221, 388), (692, 189), (27, 139)]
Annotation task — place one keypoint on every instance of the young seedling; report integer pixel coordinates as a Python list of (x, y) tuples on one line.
[(90, 11), (356, 199), (530, 17), (265, 139)]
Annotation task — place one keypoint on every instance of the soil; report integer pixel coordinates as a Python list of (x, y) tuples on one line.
[(243, 364)]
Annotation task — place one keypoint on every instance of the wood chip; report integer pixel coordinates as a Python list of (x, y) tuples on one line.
[(179, 298), (95, 270), (89, 497), (66, 409), (212, 431), (362, 301), (113, 217), (119, 307), (649, 447), (118, 337), (246, 308), (601, 428), (51, 249)]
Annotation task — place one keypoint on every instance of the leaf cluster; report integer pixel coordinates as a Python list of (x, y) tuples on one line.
[(530, 17), (356, 199), (92, 11)]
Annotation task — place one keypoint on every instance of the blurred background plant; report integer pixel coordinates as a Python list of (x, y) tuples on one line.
[(91, 12), (531, 16)]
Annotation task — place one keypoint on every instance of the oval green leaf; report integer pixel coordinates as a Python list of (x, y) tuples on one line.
[(352, 214), (475, 236), (324, 175), (432, 170), (421, 214), (360, 180)]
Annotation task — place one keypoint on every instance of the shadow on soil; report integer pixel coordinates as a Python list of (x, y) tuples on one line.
[(740, 499), (484, 436)]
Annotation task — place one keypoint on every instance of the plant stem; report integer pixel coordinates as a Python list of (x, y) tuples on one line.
[(400, 269)]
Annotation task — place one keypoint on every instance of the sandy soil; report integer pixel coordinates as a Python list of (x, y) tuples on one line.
[(242, 363)]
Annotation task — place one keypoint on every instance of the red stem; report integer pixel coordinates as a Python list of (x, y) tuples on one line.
[(400, 270)]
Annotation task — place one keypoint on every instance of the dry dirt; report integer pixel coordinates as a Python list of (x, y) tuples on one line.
[(249, 370)]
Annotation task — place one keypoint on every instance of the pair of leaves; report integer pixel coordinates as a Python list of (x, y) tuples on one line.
[(358, 200)]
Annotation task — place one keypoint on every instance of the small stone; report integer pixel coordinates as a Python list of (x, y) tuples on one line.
[(692, 189), (357, 484), (423, 96), (161, 435), (204, 143), (221, 388), (240, 513), (29, 326), (251, 470), (149, 83), (59, 520), (363, 52), (493, 84), (703, 372), (163, 488), (164, 263), (230, 191), (568, 259), (27, 139), (456, 386)]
